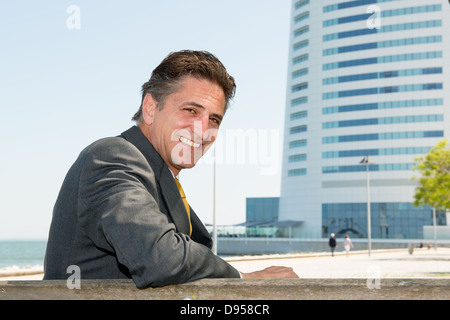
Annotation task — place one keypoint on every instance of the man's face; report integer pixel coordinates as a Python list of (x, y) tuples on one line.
[(186, 126)]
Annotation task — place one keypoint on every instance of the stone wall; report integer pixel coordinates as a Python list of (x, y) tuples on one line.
[(233, 289)]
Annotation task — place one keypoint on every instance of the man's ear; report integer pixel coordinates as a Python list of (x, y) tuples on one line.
[(149, 107)]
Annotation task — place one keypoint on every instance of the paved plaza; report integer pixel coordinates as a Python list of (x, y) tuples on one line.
[(398, 263)]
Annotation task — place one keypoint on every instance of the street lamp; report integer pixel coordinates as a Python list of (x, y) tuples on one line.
[(434, 225), (366, 161), (214, 207)]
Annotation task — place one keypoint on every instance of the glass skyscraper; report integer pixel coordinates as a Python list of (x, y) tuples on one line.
[(366, 79)]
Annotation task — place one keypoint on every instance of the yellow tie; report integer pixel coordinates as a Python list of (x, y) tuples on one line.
[(186, 204)]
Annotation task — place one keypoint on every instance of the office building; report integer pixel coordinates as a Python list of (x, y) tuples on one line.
[(367, 79)]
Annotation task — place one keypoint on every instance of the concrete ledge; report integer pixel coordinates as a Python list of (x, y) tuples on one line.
[(233, 289)]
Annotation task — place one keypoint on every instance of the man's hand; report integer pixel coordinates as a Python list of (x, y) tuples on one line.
[(271, 272)]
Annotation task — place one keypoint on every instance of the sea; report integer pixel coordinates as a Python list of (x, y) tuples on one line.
[(22, 254)]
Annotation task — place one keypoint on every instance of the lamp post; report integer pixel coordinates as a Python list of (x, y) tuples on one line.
[(214, 206), (366, 161), (434, 225)]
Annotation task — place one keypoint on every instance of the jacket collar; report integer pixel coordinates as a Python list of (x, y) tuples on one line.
[(164, 178)]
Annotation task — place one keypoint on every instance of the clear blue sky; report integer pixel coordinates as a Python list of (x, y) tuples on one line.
[(62, 89)]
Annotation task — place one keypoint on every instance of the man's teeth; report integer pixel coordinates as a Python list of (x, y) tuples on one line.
[(189, 142)]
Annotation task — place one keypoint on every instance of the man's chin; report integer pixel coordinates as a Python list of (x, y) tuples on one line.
[(189, 164), (183, 163)]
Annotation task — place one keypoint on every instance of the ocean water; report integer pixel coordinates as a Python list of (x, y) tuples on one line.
[(22, 253)]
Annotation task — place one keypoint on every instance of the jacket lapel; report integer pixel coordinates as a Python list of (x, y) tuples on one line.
[(169, 191)]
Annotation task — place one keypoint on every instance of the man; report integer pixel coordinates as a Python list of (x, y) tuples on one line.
[(121, 212), (332, 244)]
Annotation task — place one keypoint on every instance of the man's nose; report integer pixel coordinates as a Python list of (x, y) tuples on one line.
[(202, 131), (201, 125)]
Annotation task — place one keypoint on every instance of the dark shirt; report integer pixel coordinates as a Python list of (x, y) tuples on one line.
[(332, 242)]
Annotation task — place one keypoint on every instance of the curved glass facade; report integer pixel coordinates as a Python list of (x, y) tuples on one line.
[(365, 78), (392, 220)]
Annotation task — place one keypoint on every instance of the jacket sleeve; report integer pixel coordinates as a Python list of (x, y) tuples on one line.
[(119, 211)]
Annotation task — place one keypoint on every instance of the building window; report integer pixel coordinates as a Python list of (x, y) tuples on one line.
[(301, 45), (382, 75), (262, 209), (383, 136), (380, 121), (301, 3), (297, 158), (300, 87), (382, 90), (300, 59), (297, 144), (384, 105), (383, 14), (383, 29), (375, 152), (299, 115), (383, 44), (372, 167), (299, 73), (299, 129), (296, 172), (300, 31), (351, 4), (301, 17), (385, 59), (299, 101)]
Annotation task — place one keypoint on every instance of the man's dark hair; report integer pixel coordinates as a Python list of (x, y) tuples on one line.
[(167, 77)]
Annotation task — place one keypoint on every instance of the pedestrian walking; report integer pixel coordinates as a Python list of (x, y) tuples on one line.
[(347, 244), (332, 244)]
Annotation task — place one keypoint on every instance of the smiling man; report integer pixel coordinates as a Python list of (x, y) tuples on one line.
[(184, 129), (121, 212)]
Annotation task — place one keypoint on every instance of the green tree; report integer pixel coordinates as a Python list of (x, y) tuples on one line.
[(434, 180)]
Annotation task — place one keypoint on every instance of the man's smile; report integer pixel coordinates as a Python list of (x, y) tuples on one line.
[(188, 142)]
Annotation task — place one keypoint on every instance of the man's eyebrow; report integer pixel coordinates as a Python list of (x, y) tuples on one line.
[(195, 104)]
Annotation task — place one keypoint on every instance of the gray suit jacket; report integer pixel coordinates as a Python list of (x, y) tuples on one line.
[(119, 214)]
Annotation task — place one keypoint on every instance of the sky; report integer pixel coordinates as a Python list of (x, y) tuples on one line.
[(71, 73)]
